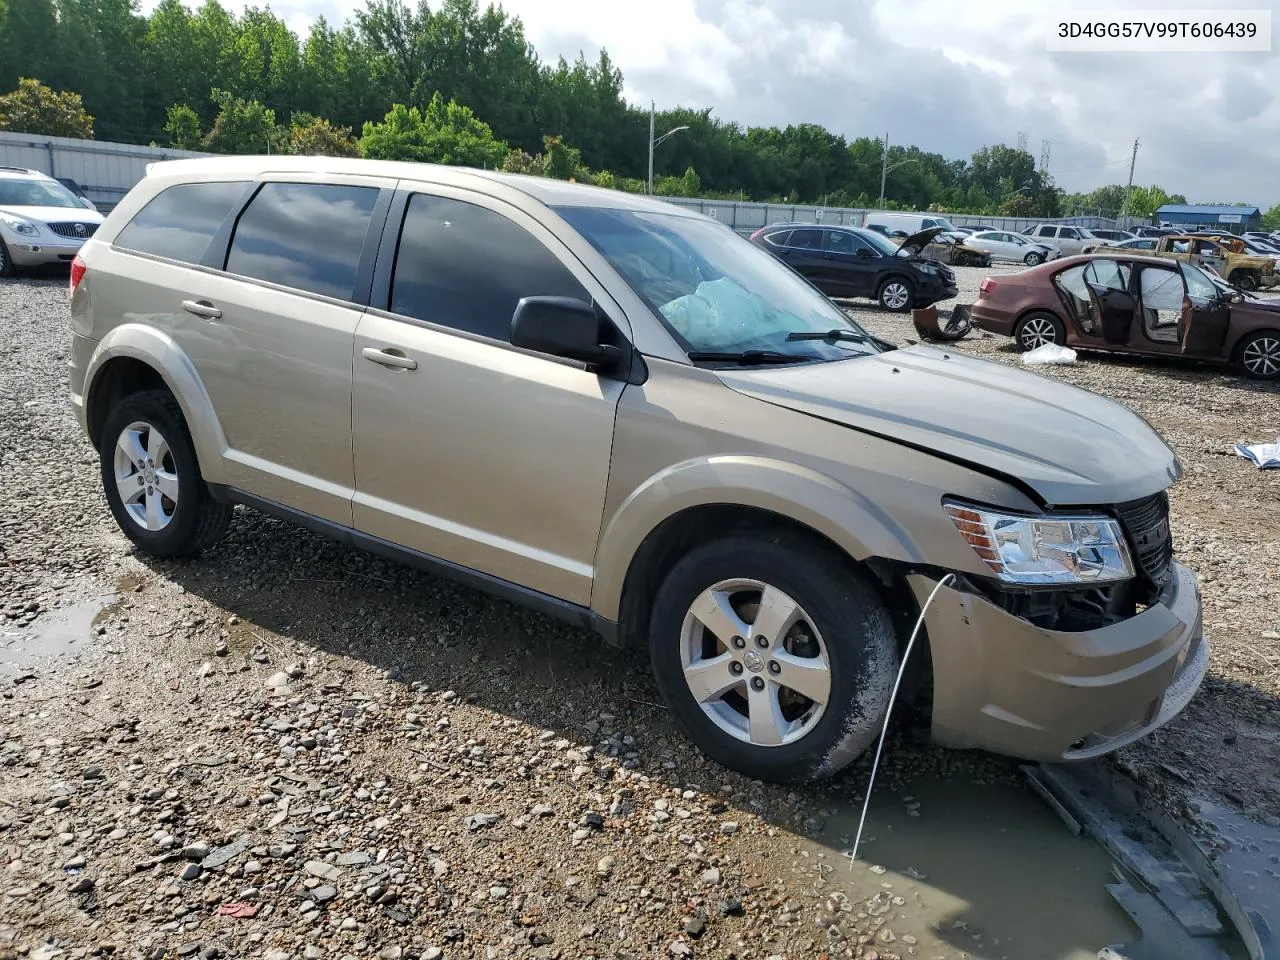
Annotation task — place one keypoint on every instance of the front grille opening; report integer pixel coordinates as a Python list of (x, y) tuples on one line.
[(76, 231), (1146, 523)]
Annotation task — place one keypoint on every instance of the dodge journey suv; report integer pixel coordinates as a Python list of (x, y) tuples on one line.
[(623, 414)]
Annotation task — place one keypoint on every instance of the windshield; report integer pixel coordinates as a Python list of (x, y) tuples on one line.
[(944, 223), (716, 291), (878, 240), (36, 193)]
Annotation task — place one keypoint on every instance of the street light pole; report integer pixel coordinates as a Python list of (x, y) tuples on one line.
[(884, 166), (650, 180)]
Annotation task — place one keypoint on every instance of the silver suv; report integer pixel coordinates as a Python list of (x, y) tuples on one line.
[(623, 414), (41, 221)]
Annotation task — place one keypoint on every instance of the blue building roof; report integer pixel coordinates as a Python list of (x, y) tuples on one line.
[(1206, 209)]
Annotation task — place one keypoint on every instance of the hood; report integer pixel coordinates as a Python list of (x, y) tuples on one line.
[(918, 241), (54, 214), (1069, 446)]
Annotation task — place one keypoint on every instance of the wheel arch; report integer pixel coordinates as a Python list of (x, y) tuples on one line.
[(692, 503), (135, 357)]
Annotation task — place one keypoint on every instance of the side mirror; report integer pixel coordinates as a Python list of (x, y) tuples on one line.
[(88, 203), (563, 327), (864, 253)]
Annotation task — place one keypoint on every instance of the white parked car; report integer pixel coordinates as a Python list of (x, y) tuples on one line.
[(1003, 245), (41, 221), (1070, 240)]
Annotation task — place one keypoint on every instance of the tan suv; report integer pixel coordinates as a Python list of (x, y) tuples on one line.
[(625, 415)]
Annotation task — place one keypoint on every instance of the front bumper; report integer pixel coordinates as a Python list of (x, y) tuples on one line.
[(931, 289), (1005, 685), (37, 251)]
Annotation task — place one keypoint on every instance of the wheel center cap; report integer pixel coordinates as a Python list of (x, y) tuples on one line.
[(149, 475), (753, 661)]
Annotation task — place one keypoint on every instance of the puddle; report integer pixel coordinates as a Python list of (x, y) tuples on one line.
[(985, 871), (57, 635)]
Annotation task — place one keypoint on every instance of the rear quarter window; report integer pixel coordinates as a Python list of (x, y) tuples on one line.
[(179, 221)]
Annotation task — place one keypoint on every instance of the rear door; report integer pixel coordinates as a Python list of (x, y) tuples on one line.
[(1111, 305), (1206, 316), (804, 252)]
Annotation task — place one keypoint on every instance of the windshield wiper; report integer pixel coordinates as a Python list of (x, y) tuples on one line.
[(749, 357), (837, 334)]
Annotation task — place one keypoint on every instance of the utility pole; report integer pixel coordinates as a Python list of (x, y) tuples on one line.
[(651, 110), (1124, 214), (884, 166)]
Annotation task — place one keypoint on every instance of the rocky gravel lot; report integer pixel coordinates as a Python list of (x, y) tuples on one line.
[(289, 749)]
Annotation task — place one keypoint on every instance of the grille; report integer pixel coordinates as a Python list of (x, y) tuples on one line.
[(1146, 522), (69, 230)]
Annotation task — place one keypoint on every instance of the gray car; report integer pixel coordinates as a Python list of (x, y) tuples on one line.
[(622, 414)]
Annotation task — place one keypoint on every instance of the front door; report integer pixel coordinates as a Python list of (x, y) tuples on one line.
[(851, 264), (1206, 316), (466, 448)]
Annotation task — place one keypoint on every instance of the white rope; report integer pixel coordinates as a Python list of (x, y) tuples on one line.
[(893, 697)]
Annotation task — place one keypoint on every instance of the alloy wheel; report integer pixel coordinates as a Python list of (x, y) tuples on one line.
[(1261, 357), (1037, 331), (895, 295), (755, 662), (146, 476)]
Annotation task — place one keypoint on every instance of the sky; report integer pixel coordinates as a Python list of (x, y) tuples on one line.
[(949, 76)]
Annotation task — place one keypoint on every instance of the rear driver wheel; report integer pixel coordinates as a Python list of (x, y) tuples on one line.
[(776, 658), (1038, 329)]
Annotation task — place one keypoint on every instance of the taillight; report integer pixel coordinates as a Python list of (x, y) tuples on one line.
[(77, 273), (986, 288)]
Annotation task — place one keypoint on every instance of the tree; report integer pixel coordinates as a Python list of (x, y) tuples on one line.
[(517, 161), (442, 133), (34, 108), (242, 126), (559, 160), (317, 137), (183, 127), (1271, 219)]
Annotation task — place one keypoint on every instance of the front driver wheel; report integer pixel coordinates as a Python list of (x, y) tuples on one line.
[(1039, 329), (152, 480), (895, 295), (1033, 259), (7, 269), (775, 657), (1258, 356)]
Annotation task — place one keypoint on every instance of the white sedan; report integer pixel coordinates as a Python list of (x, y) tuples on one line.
[(1003, 245)]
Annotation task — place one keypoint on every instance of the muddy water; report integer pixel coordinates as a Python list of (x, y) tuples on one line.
[(55, 636), (968, 870)]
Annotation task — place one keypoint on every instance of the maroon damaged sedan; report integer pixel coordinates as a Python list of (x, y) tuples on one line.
[(1134, 304)]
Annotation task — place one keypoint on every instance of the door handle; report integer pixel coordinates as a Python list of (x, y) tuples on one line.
[(202, 308), (389, 357)]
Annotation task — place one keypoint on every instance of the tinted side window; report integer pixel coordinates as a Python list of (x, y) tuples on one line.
[(840, 242), (466, 267), (308, 236), (806, 239), (179, 222)]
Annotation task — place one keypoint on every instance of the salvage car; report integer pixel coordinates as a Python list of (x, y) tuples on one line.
[(854, 262), (954, 249), (1133, 304), (1226, 255), (1014, 247), (621, 413)]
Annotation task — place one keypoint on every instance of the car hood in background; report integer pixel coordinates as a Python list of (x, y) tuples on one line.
[(53, 214), (912, 246), (1071, 447)]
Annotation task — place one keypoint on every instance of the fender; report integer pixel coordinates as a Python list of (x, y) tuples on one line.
[(159, 351), (848, 519)]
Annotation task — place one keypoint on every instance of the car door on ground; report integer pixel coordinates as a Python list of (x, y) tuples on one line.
[(852, 265), (284, 402), (467, 448)]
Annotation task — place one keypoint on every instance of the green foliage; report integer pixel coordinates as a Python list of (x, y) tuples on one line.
[(517, 161), (1271, 218), (34, 108), (317, 137), (559, 160), (183, 127), (443, 133), (242, 126)]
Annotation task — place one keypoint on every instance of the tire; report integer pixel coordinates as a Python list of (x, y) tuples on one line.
[(160, 524), (896, 294), (1033, 259), (1246, 280), (841, 618), (1258, 355), (7, 266), (1035, 329)]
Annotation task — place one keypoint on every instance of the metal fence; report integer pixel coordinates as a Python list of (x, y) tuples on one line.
[(107, 171)]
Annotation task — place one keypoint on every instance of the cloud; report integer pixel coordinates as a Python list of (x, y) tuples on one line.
[(949, 77)]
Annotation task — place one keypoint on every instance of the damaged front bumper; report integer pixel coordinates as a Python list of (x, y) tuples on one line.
[(1005, 685)]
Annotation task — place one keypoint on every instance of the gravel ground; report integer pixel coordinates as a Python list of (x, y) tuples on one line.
[(289, 749)]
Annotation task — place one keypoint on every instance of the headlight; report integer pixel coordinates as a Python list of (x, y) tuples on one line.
[(928, 268), (1045, 550), (18, 225)]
